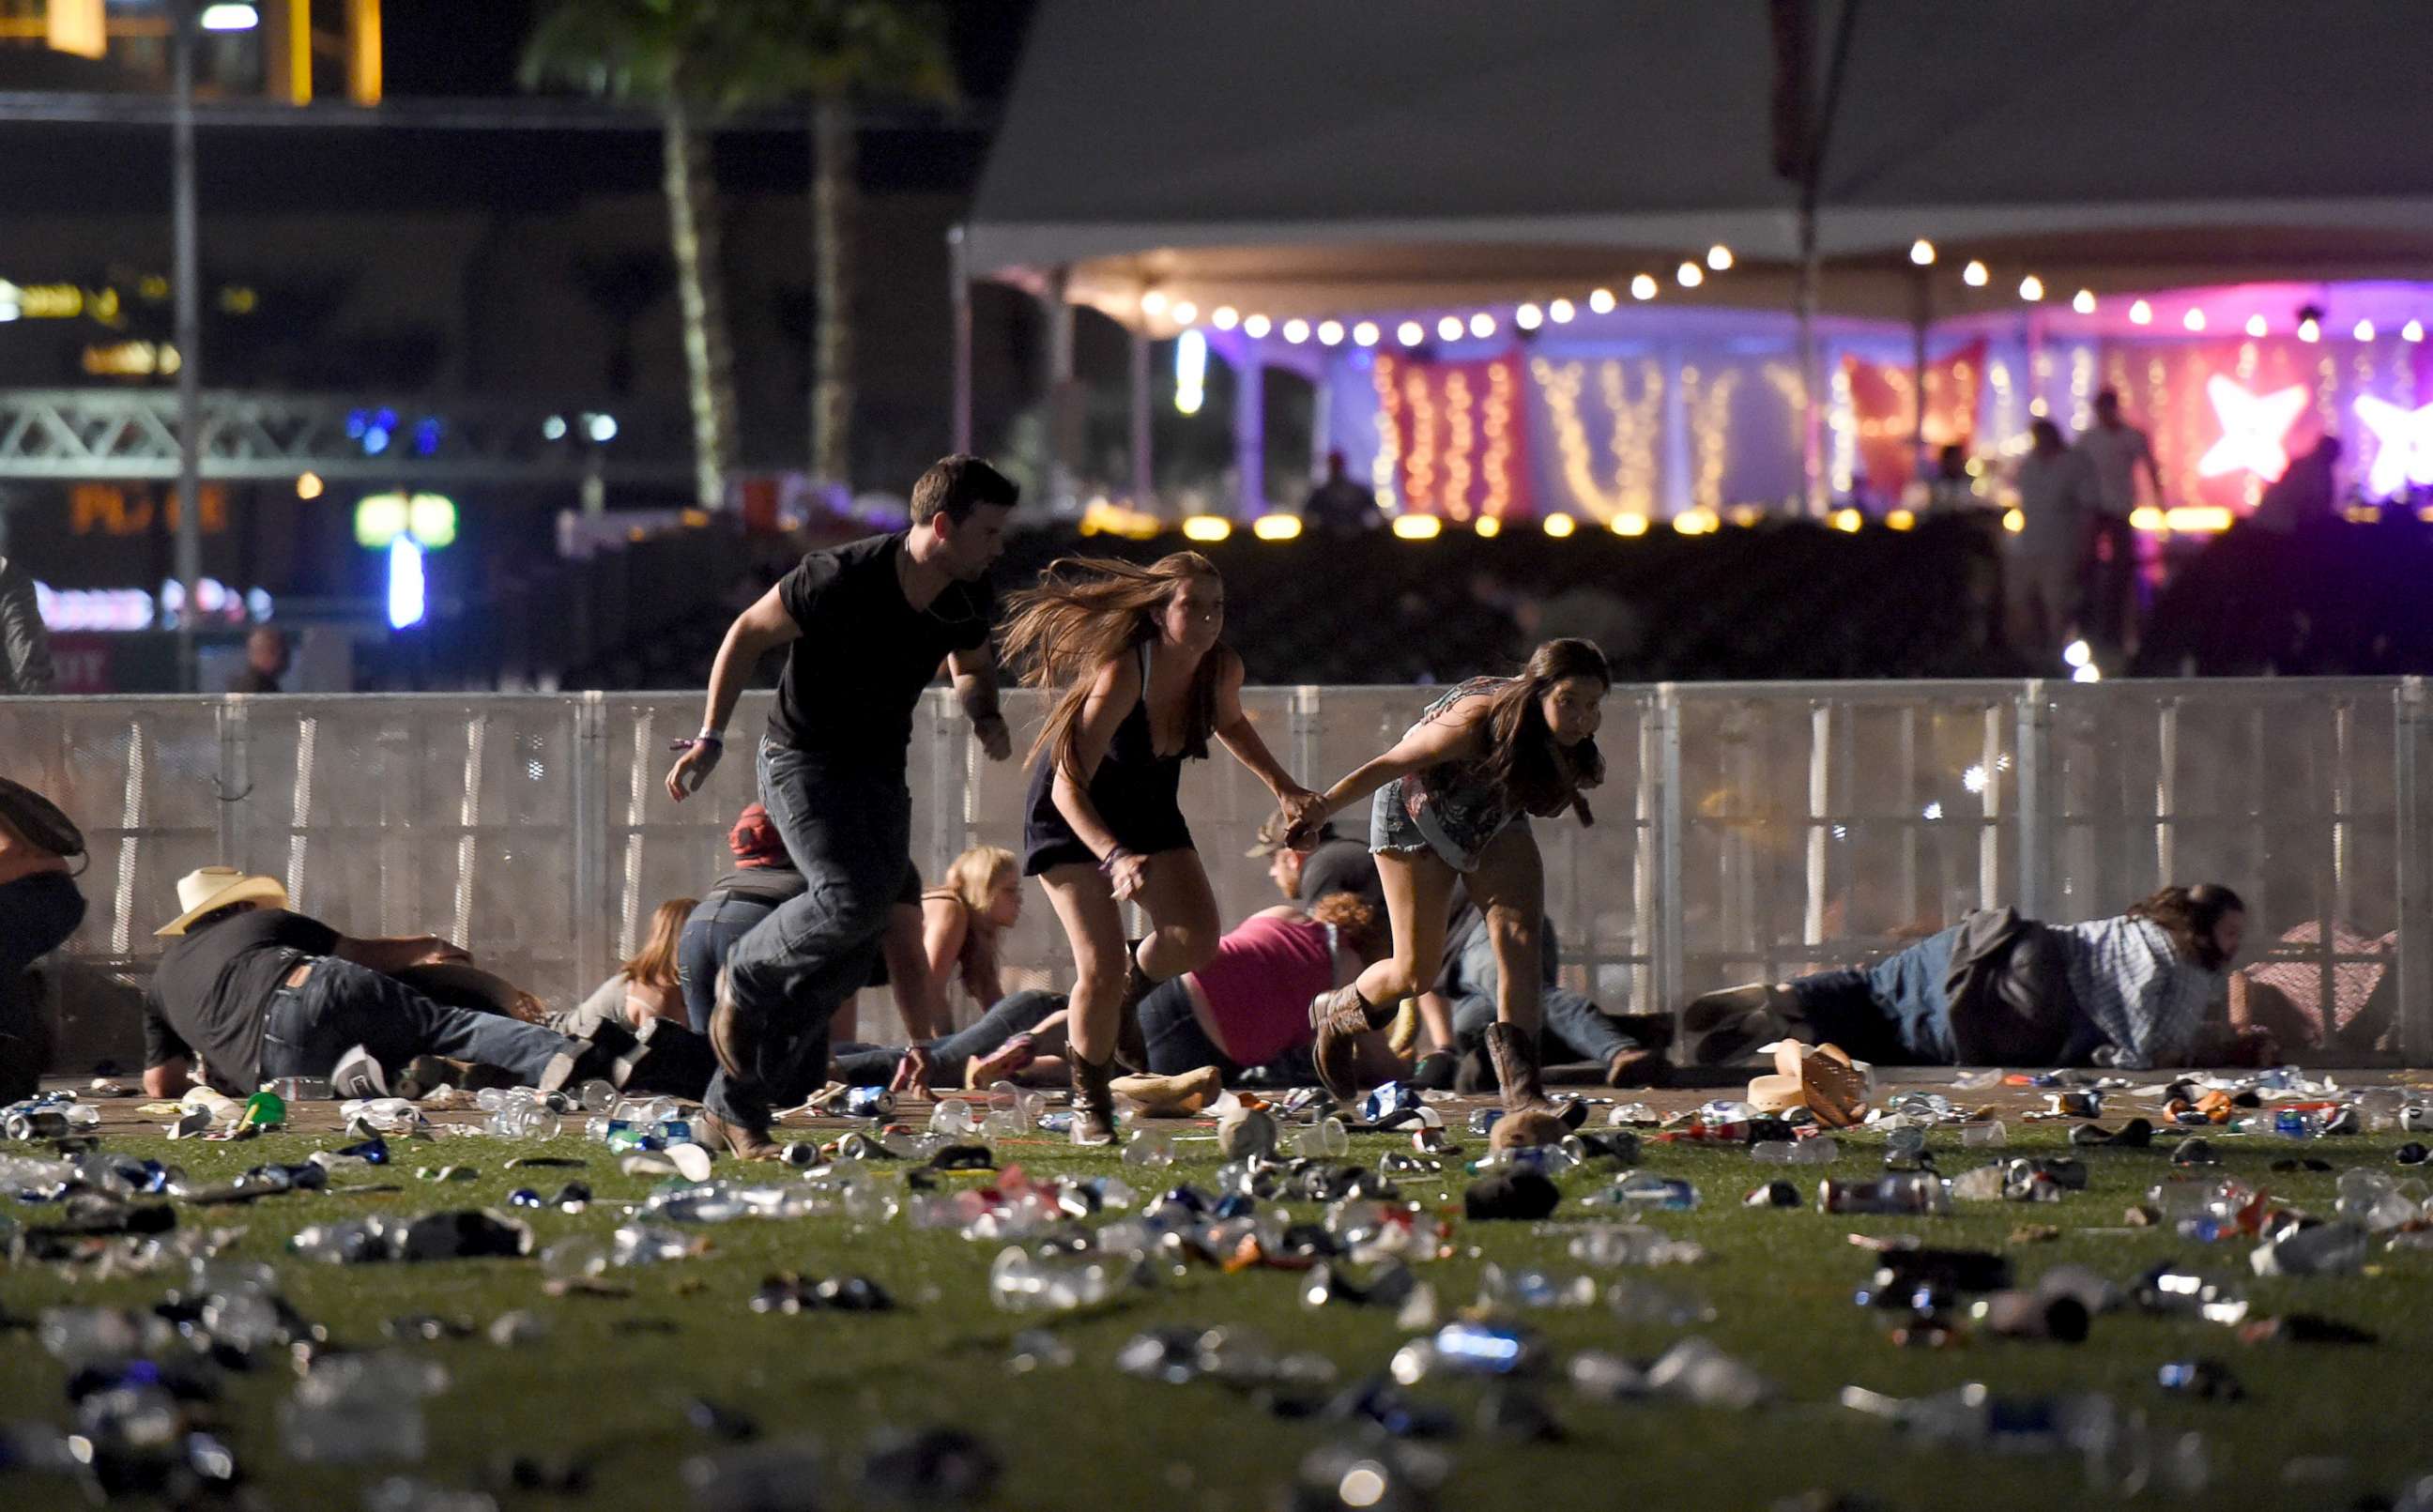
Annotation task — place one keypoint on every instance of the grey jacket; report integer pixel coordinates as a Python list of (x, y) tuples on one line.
[(24, 645)]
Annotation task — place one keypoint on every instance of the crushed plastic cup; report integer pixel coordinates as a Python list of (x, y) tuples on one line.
[(1819, 1149), (953, 1117), (524, 1121), (642, 1243), (2376, 1201), (1020, 1282), (1619, 1245), (1149, 1148), (1327, 1139), (1984, 1133), (1697, 1371), (1530, 1288), (574, 1258)]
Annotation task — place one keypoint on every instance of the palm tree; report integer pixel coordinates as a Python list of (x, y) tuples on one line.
[(846, 51), (694, 60)]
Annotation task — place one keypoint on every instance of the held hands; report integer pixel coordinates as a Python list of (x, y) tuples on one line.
[(692, 768), (1304, 813)]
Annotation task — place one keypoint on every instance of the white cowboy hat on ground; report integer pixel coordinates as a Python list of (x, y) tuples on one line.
[(216, 887)]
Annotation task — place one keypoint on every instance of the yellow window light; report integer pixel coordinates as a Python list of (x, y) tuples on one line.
[(308, 486), (2146, 517), (1848, 519), (2199, 519), (1488, 526), (1417, 527), (1207, 527), (1561, 525), (1276, 527), (1746, 514), (1900, 520), (1629, 524), (2014, 522), (1104, 519), (2362, 514)]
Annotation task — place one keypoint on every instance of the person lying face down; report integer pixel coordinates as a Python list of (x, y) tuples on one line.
[(2132, 991), (259, 990)]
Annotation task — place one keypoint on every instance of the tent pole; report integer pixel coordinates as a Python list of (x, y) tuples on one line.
[(1062, 400), (1921, 316), (1144, 472), (959, 298), (1251, 434), (1818, 497)]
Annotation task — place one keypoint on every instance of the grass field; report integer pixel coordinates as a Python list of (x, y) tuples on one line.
[(609, 1383)]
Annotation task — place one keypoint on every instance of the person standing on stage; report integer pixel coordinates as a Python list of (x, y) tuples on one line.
[(865, 626), (2117, 451), (1143, 680), (1452, 802)]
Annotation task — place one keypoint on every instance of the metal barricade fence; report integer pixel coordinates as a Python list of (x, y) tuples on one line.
[(1744, 831)]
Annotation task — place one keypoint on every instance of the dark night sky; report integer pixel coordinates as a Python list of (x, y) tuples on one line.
[(468, 49)]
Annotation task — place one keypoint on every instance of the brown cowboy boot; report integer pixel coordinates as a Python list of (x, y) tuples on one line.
[(1514, 1050), (1529, 1116), (1093, 1102), (1341, 1017)]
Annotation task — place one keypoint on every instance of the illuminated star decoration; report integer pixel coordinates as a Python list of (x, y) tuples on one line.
[(2252, 428), (2403, 446)]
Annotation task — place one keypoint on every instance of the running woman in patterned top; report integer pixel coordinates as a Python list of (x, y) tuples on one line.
[(1452, 801), (1142, 681)]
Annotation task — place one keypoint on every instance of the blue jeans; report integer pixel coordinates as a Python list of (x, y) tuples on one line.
[(849, 831), (1892, 1013), (1572, 1022), (343, 1005), (951, 1055), (708, 938), (1175, 1041)]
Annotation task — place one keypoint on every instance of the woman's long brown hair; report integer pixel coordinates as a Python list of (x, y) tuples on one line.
[(654, 964), (1086, 612), (1521, 754)]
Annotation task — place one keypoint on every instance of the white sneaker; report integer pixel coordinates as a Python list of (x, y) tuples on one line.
[(357, 1074)]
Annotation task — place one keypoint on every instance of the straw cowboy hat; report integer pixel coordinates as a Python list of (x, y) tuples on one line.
[(216, 887)]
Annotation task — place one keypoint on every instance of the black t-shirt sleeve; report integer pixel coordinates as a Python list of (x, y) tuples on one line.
[(298, 932), (161, 1042), (804, 589)]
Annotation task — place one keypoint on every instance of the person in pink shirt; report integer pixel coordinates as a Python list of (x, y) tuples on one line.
[(1250, 1006)]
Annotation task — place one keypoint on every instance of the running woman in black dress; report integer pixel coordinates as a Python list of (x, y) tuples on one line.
[(1142, 682)]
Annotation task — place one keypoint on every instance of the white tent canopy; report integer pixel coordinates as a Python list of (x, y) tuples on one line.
[(1343, 154)]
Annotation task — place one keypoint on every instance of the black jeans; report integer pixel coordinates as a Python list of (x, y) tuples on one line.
[(849, 831), (1177, 1044), (951, 1055), (343, 1005), (36, 915)]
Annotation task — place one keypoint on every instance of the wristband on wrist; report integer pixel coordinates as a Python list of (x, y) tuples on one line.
[(1107, 864)]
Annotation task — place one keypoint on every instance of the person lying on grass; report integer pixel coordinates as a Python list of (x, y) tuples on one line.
[(2132, 991)]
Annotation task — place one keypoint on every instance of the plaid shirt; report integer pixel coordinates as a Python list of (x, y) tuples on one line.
[(2135, 990)]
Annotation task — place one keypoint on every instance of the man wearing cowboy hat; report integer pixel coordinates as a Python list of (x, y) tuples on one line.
[(1336, 864), (263, 992)]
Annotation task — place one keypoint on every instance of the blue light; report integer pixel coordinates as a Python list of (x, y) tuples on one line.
[(375, 441), (426, 437), (406, 600)]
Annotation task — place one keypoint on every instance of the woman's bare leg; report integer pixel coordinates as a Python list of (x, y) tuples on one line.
[(1510, 886), (1181, 908), (1094, 928), (1418, 886)]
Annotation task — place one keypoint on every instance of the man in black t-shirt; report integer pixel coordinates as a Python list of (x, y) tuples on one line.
[(260, 991), (865, 626)]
